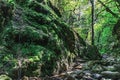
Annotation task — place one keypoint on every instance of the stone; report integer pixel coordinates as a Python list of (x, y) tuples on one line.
[(25, 78), (80, 75), (110, 74), (109, 68), (110, 61), (87, 77), (78, 67), (77, 71), (117, 67), (80, 60), (97, 69), (70, 78), (97, 76)]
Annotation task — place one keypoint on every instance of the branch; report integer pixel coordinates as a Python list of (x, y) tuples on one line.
[(118, 6), (108, 9), (98, 14)]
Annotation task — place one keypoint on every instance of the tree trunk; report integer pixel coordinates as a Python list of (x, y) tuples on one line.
[(92, 25)]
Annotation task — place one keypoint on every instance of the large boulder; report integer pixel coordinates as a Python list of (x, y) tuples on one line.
[(34, 38)]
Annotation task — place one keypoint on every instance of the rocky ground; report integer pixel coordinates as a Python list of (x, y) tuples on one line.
[(106, 69)]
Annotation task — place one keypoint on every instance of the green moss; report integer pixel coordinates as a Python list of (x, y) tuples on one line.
[(40, 39), (33, 16)]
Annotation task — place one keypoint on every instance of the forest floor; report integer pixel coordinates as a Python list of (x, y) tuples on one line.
[(106, 69)]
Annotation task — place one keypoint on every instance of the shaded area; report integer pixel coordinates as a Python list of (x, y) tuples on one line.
[(35, 41)]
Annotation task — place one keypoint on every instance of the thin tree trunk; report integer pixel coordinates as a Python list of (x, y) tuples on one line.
[(92, 25)]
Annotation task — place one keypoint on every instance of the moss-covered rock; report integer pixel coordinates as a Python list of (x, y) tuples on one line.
[(116, 43), (91, 52), (34, 38)]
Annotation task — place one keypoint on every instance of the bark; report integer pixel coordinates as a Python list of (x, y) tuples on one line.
[(92, 11)]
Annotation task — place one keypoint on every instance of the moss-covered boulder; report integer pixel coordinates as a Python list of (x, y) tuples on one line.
[(116, 33), (34, 39)]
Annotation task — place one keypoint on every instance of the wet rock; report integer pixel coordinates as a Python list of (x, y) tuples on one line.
[(87, 74), (109, 68), (110, 74), (87, 77), (110, 61), (80, 60), (104, 56), (97, 76)]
